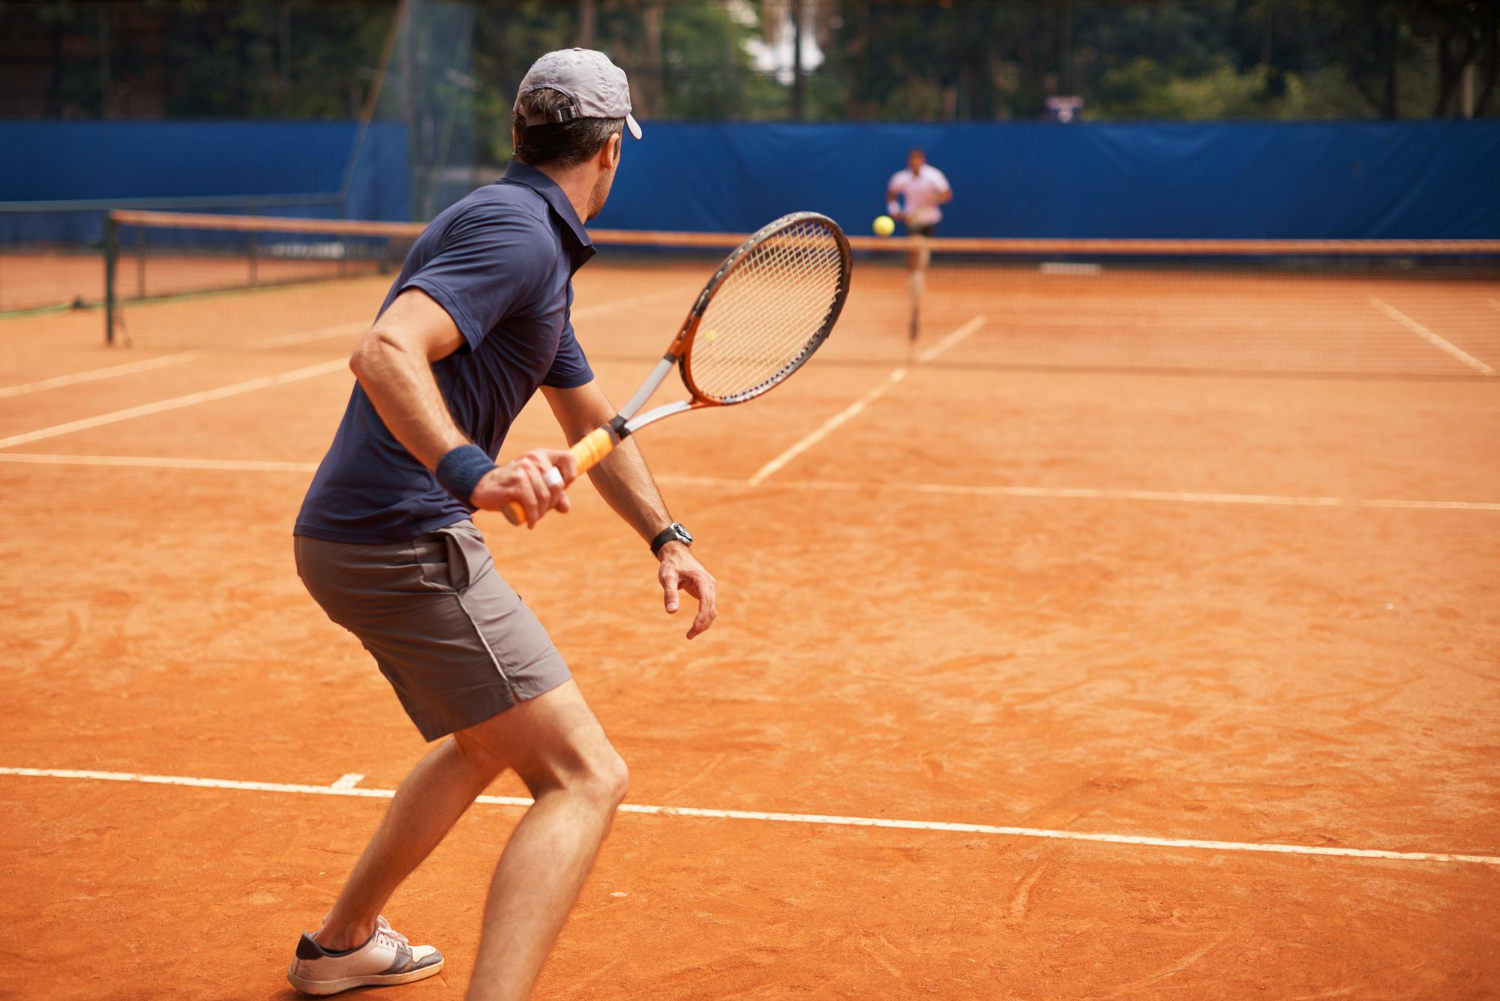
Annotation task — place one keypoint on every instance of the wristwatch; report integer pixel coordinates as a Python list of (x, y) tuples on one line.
[(672, 533)]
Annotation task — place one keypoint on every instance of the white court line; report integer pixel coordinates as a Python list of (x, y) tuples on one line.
[(176, 402), (1429, 336), (278, 341), (721, 483), (162, 462), (94, 374), (857, 407), (1090, 493), (951, 339), (149, 364), (780, 818), (823, 430), (348, 780)]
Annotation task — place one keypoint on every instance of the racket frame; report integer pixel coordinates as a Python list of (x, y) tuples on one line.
[(594, 446)]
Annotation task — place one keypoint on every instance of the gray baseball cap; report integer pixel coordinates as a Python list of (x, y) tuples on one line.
[(596, 85)]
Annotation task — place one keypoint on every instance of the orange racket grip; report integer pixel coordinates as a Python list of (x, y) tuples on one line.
[(589, 450)]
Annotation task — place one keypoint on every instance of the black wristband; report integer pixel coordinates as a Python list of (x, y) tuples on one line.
[(461, 470)]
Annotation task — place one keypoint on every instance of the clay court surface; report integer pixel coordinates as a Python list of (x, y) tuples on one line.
[(1000, 587)]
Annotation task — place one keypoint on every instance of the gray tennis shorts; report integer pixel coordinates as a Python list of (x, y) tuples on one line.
[(452, 638)]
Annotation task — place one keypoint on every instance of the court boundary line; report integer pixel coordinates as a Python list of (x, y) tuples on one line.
[(1429, 336), (276, 341), (854, 409), (177, 402), (827, 428), (850, 486), (345, 786), (96, 374)]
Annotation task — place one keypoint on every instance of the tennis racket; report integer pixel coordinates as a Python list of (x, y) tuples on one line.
[(764, 312)]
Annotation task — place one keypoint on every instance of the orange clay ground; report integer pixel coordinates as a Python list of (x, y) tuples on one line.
[(1140, 605)]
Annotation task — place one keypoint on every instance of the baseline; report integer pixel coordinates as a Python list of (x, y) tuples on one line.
[(344, 786)]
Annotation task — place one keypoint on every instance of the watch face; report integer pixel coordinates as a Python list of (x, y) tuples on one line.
[(682, 533)]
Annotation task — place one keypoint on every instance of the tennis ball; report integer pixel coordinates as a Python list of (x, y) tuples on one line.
[(710, 336), (884, 225)]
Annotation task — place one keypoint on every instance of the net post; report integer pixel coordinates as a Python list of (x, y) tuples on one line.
[(111, 261), (140, 262)]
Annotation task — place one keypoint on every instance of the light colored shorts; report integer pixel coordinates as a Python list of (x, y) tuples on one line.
[(455, 642)]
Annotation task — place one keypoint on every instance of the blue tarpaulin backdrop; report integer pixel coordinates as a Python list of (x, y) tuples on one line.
[(132, 160), (1249, 180), (1347, 180)]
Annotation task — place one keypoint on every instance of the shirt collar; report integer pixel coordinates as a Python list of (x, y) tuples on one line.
[(525, 174)]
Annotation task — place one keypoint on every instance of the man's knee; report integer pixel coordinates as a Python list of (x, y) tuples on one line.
[(610, 778), (601, 776)]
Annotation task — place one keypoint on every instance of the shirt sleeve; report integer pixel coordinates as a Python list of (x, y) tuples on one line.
[(492, 264), (570, 369), (941, 179), (897, 183)]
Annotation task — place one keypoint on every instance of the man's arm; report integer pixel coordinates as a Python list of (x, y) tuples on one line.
[(393, 364), (626, 485)]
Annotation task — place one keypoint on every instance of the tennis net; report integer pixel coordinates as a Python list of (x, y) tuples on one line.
[(1375, 308)]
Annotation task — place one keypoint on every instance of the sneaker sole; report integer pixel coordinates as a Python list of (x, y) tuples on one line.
[(321, 987)]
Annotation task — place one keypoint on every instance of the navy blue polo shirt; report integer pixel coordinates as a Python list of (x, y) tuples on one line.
[(501, 262)]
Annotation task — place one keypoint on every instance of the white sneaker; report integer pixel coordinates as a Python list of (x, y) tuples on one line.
[(385, 960)]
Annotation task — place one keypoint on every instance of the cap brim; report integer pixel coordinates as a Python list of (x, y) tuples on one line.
[(632, 125)]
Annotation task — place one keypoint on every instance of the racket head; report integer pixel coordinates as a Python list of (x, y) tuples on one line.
[(769, 306)]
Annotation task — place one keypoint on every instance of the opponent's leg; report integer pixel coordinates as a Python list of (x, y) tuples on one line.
[(428, 803), (559, 749)]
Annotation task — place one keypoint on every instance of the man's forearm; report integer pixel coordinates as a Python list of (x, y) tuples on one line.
[(401, 385), (626, 486)]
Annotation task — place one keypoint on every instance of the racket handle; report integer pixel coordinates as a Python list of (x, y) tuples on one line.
[(589, 450)]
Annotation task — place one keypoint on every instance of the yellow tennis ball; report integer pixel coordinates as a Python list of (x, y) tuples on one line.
[(710, 336), (884, 225)]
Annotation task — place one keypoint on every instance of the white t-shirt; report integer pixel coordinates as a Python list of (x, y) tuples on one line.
[(921, 191)]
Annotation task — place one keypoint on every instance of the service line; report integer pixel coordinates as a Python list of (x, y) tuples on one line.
[(846, 486), (345, 786)]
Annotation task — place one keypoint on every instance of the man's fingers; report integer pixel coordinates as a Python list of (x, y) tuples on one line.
[(565, 462), (708, 610), (669, 588)]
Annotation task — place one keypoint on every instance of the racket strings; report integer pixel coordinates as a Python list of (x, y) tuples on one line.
[(769, 313)]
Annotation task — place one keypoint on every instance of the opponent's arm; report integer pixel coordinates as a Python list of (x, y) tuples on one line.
[(626, 485), (892, 206), (393, 363)]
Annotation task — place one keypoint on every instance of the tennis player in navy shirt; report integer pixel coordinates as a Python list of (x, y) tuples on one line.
[(476, 323)]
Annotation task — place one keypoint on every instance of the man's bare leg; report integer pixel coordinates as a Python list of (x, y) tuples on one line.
[(428, 803), (559, 749)]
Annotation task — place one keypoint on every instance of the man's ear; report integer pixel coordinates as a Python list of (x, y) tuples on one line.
[(611, 151)]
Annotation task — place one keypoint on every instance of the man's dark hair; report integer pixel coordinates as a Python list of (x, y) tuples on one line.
[(559, 144)]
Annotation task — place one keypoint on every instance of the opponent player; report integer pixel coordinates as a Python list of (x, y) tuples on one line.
[(476, 322), (923, 188)]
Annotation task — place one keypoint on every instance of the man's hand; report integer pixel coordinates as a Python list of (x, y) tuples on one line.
[(521, 481), (681, 571)]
